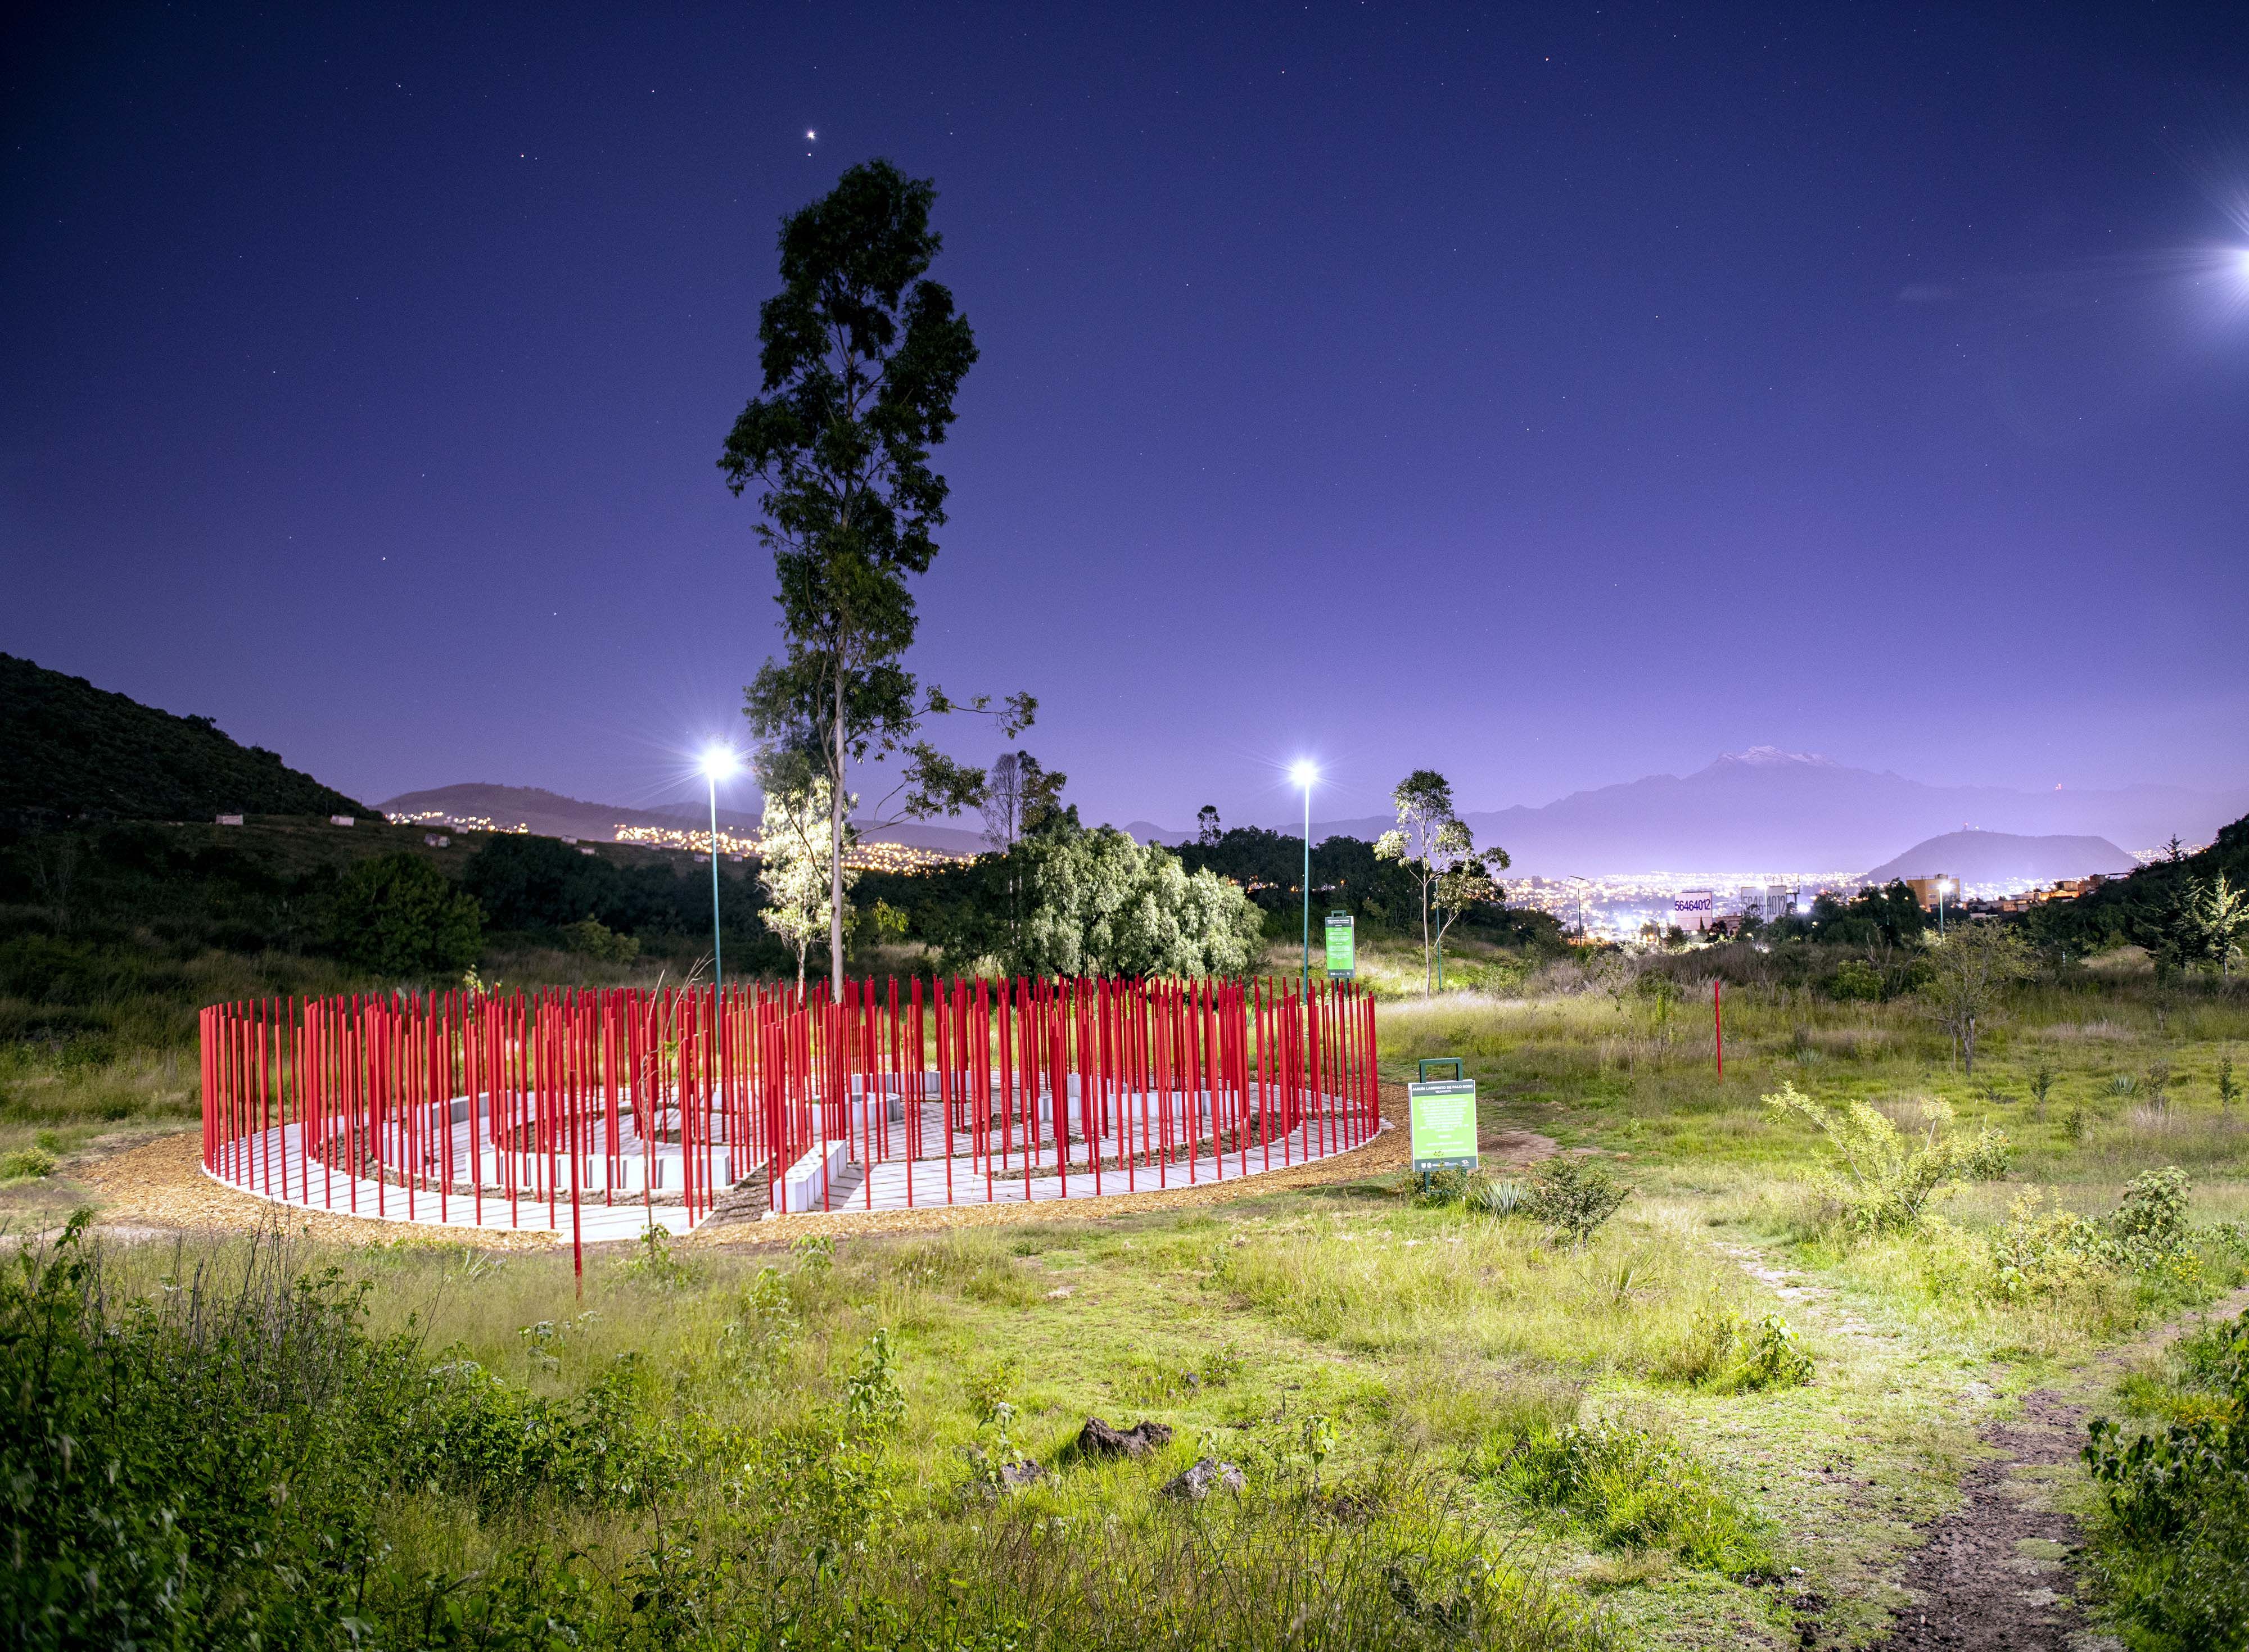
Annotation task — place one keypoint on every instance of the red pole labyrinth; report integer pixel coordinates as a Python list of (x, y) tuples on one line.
[(640, 1108)]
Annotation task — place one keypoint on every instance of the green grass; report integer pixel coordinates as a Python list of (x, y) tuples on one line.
[(1455, 1429)]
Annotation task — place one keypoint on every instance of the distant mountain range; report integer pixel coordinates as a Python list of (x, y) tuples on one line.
[(69, 750), (550, 814), (2003, 857), (1770, 810)]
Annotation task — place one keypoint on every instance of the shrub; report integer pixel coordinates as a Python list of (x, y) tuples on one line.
[(26, 1164), (2173, 1545), (1883, 1178), (400, 916), (142, 1455), (1854, 980), (2047, 1253), (1722, 1352), (1574, 1195), (1777, 1358), (1629, 1489), (2151, 1217), (595, 939)]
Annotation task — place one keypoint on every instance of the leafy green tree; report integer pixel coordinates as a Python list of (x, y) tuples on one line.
[(2220, 915), (797, 869), (1097, 903), (1433, 842), (399, 916), (862, 356)]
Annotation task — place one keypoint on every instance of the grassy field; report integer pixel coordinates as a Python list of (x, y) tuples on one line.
[(1453, 1427)]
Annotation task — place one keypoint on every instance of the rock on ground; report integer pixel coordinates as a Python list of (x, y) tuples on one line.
[(1097, 1439)]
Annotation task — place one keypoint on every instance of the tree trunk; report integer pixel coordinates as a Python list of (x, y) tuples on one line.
[(1428, 973), (836, 856)]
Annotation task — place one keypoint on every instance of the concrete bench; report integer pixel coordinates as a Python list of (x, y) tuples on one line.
[(806, 1182)]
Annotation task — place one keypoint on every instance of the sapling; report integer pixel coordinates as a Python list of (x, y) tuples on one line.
[(2227, 1088), (2041, 1083), (2159, 1082)]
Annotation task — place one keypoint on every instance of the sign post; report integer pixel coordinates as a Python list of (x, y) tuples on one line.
[(1443, 1118), (1343, 947)]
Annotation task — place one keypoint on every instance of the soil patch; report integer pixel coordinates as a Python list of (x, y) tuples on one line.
[(1992, 1576)]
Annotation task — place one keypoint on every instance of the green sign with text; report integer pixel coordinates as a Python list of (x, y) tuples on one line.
[(1343, 947), (1443, 1125)]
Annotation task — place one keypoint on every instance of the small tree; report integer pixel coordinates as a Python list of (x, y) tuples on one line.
[(1207, 830), (1003, 801), (1970, 968), (1432, 841), (795, 868), (2220, 915), (1467, 883), (400, 916)]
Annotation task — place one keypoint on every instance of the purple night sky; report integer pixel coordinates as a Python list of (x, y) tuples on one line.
[(1549, 394)]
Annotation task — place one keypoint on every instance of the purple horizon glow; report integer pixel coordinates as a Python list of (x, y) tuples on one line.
[(1549, 400)]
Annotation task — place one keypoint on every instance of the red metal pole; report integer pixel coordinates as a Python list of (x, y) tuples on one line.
[(1719, 1025)]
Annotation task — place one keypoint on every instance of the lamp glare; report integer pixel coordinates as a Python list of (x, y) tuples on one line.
[(1303, 774)]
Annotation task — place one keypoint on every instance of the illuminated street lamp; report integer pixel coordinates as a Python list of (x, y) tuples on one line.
[(719, 762), (1942, 884), (1581, 883), (1303, 774)]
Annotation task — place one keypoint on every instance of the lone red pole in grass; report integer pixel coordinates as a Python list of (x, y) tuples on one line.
[(1718, 1024)]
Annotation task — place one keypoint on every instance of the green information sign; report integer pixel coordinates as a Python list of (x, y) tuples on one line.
[(1444, 1125), (1343, 947)]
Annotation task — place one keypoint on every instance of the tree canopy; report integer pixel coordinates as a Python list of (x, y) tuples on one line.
[(860, 356), (1091, 902)]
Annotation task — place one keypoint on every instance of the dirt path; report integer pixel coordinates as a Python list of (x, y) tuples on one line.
[(1991, 1577), (1993, 1574)]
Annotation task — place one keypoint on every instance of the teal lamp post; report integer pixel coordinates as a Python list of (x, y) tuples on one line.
[(1303, 774), (719, 762)]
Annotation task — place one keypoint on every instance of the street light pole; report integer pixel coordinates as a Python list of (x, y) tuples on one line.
[(719, 760), (1304, 775), (718, 959)]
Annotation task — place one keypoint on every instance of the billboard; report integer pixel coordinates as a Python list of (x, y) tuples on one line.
[(1692, 909)]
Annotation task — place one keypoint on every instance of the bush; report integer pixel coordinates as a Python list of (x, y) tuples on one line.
[(597, 940), (1722, 1352), (399, 916), (2049, 1253), (1574, 1195), (1855, 980), (1884, 1179), (26, 1164), (1631, 1491), (2173, 1544), (2151, 1218)]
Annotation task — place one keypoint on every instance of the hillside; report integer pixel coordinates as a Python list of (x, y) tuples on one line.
[(71, 750), (550, 813), (2005, 857), (553, 815)]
